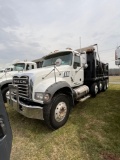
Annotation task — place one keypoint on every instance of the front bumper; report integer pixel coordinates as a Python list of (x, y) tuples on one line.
[(30, 111)]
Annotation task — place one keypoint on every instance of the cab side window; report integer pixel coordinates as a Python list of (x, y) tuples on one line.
[(76, 61), (32, 66), (27, 67)]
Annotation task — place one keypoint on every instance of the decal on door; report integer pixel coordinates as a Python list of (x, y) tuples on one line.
[(66, 74)]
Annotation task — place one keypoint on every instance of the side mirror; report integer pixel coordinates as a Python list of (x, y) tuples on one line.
[(74, 65), (58, 62)]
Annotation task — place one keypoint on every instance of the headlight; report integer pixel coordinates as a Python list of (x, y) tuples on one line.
[(39, 96), (42, 96), (47, 97)]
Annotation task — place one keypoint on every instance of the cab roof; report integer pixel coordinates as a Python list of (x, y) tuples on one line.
[(26, 62)]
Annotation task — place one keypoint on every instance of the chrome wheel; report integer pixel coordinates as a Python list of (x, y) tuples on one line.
[(96, 89), (101, 86), (105, 87), (60, 111), (107, 84)]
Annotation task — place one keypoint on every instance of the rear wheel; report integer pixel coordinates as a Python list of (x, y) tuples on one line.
[(4, 91), (94, 89), (104, 86), (100, 85), (56, 114), (107, 84)]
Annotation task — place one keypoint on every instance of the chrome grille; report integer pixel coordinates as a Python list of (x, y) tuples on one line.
[(23, 85)]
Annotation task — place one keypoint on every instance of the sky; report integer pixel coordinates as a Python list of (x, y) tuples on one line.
[(30, 29)]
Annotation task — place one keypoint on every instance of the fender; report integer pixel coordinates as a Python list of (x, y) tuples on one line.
[(4, 82), (56, 87)]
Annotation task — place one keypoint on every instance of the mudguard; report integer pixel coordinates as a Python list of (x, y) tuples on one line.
[(2, 83), (52, 89)]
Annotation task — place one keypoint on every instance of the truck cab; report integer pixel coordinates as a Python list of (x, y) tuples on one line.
[(24, 66), (71, 67), (6, 76), (8, 69), (49, 93)]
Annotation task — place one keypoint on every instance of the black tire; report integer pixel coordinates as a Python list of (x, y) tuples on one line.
[(104, 86), (51, 111), (100, 86), (94, 89), (4, 91)]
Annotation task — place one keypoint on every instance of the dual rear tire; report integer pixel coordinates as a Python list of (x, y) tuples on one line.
[(105, 85), (98, 87), (94, 89)]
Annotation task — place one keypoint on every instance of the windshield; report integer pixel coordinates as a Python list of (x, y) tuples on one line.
[(66, 58), (1, 71), (19, 67)]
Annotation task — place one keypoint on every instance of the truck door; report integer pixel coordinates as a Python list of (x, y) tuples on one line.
[(77, 70), (5, 132)]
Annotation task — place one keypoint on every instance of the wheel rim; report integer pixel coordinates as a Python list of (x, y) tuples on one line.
[(107, 85), (96, 89), (100, 86), (60, 111)]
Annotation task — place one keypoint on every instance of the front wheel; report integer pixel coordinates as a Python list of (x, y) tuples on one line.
[(57, 112)]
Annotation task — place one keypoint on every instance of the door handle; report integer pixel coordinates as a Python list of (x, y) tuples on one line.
[(2, 128)]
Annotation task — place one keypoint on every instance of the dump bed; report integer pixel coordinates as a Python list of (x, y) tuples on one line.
[(96, 69)]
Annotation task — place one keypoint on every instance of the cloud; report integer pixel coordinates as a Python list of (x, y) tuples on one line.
[(30, 29), (2, 47)]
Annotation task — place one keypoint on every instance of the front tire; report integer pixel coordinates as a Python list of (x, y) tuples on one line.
[(57, 112), (4, 91)]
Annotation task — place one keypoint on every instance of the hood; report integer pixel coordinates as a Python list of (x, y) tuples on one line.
[(7, 74), (42, 74), (34, 72), (40, 79)]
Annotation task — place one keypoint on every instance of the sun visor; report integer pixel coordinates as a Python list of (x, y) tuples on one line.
[(88, 49)]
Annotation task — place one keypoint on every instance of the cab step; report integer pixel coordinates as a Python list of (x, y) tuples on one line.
[(83, 99)]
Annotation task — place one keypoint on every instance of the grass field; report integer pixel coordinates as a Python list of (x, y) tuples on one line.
[(91, 133), (114, 78)]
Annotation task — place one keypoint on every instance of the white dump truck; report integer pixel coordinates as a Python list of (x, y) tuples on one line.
[(50, 92), (6, 76), (7, 69)]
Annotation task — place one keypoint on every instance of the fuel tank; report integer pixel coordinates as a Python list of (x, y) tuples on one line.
[(81, 91)]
